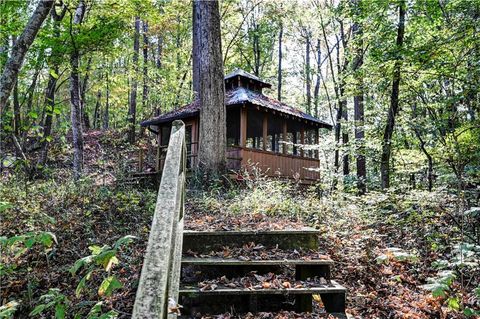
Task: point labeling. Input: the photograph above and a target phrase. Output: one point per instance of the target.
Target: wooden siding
(273, 164)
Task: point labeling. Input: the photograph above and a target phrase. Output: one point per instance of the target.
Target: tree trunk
(393, 110)
(107, 105)
(19, 50)
(16, 110)
(83, 90)
(97, 109)
(279, 85)
(75, 103)
(308, 81)
(196, 38)
(145, 67)
(50, 91)
(316, 91)
(358, 103)
(212, 146)
(132, 112)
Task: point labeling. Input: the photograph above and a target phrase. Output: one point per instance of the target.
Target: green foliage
(104, 257)
(53, 300)
(8, 309)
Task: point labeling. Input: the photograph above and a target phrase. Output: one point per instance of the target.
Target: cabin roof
(237, 96)
(244, 74)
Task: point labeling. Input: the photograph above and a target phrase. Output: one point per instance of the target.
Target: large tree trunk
(358, 104)
(19, 50)
(212, 144)
(132, 112)
(280, 57)
(75, 103)
(393, 110)
(316, 91)
(308, 80)
(196, 38)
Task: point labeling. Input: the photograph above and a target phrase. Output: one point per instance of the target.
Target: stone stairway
(256, 271)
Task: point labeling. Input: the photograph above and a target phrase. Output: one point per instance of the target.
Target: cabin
(261, 131)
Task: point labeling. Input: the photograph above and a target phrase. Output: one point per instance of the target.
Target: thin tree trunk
(212, 144)
(75, 103)
(20, 48)
(83, 90)
(97, 109)
(307, 74)
(358, 104)
(16, 110)
(132, 112)
(393, 110)
(50, 91)
(107, 104)
(280, 57)
(316, 91)
(145, 67)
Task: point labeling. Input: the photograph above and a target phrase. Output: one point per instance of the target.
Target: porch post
(302, 140)
(317, 141)
(265, 131)
(159, 143)
(243, 126)
(284, 136)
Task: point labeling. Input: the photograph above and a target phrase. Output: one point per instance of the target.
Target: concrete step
(242, 300)
(206, 241)
(199, 269)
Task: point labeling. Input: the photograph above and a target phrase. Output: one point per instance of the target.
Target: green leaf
(453, 303)
(53, 73)
(38, 309)
(477, 292)
(81, 285)
(5, 206)
(109, 285)
(79, 264)
(60, 311)
(124, 241)
(47, 239)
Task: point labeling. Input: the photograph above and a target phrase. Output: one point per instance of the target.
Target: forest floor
(386, 246)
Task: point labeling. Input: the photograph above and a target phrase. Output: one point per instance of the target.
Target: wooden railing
(157, 291)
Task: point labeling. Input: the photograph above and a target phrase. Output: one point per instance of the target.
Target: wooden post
(302, 141)
(317, 141)
(159, 150)
(265, 131)
(284, 136)
(243, 127)
(160, 275)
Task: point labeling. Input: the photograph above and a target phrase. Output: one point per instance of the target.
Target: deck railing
(157, 291)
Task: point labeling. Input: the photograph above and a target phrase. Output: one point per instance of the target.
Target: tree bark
(196, 38)
(393, 110)
(212, 144)
(16, 110)
(20, 48)
(132, 112)
(280, 57)
(107, 104)
(50, 91)
(358, 102)
(97, 109)
(316, 91)
(75, 103)
(83, 91)
(308, 80)
(145, 67)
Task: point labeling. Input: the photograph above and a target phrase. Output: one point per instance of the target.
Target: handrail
(160, 278)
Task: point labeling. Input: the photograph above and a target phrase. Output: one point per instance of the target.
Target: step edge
(234, 261)
(307, 231)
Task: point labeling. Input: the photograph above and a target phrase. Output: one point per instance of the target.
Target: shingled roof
(237, 96)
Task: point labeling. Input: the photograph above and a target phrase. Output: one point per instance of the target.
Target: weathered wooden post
(160, 276)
